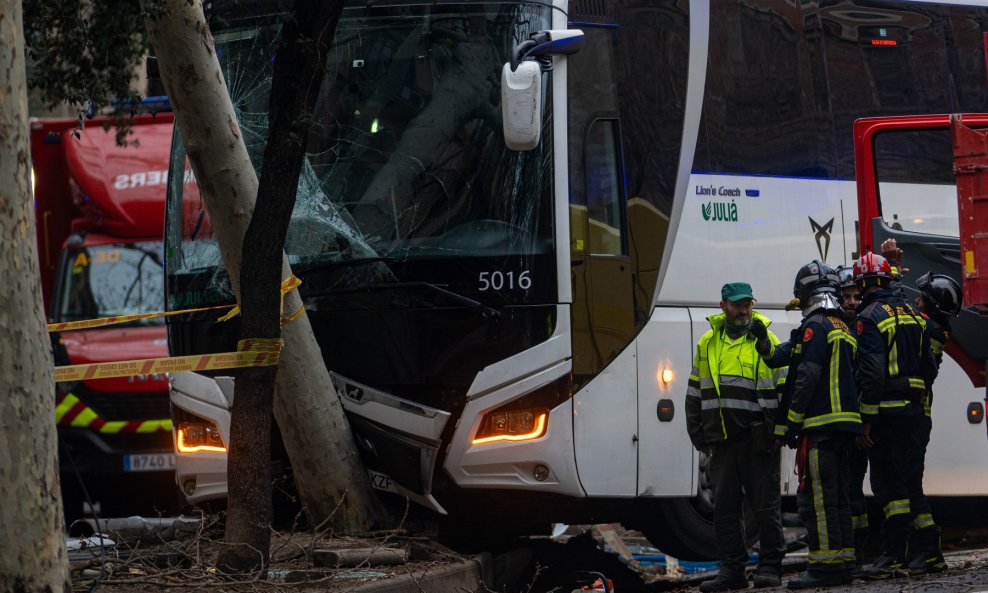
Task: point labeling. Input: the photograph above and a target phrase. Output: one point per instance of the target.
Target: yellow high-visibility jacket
(730, 386)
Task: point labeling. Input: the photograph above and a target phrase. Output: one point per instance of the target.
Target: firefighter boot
(892, 562)
(725, 583)
(860, 541)
(814, 579)
(928, 558)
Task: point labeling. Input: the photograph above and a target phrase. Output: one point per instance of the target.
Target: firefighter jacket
(820, 394)
(939, 336)
(895, 361)
(730, 386)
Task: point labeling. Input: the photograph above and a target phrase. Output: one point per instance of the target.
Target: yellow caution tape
(91, 323)
(250, 353)
(287, 286)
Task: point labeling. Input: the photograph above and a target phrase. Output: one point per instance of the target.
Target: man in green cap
(731, 402)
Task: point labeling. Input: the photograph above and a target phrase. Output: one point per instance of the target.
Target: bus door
(604, 369)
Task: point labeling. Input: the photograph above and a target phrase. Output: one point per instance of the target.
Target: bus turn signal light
(196, 437)
(975, 412)
(512, 425)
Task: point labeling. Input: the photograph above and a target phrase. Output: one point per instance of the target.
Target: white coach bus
(511, 331)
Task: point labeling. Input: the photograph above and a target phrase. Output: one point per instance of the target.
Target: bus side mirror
(521, 105)
(521, 84)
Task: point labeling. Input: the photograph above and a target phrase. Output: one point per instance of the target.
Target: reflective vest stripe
(734, 404)
(923, 520)
(835, 335)
(893, 356)
(896, 507)
(831, 418)
(899, 403)
(835, 377)
(819, 508)
(823, 556)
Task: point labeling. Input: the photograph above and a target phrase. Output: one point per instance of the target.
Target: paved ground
(968, 573)
(538, 565)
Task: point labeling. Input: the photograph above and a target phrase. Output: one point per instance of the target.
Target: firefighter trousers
(857, 466)
(824, 505)
(915, 464)
(890, 480)
(741, 473)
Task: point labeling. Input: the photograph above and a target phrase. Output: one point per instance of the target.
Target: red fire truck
(100, 216)
(954, 150)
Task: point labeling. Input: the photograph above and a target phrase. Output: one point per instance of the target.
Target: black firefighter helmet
(942, 293)
(815, 278)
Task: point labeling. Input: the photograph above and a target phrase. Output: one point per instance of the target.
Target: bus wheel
(686, 528)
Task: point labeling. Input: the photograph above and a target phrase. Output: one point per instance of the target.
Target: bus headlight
(512, 425)
(196, 437)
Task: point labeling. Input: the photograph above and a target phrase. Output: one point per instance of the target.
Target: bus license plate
(381, 481)
(149, 462)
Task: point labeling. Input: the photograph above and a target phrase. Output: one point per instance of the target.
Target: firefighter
(857, 457)
(731, 401)
(939, 300)
(821, 419)
(895, 369)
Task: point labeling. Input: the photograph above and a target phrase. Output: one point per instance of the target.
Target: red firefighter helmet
(873, 269)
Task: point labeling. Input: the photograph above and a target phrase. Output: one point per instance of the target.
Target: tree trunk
(303, 47)
(315, 431)
(31, 534)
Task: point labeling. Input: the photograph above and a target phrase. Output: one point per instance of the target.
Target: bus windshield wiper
(488, 312)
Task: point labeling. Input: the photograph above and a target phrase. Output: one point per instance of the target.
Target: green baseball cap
(736, 291)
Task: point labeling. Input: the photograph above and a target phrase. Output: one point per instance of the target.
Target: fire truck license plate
(149, 462)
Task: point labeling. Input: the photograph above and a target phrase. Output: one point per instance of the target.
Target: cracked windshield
(112, 280)
(406, 161)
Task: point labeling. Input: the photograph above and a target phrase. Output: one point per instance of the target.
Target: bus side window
(604, 195)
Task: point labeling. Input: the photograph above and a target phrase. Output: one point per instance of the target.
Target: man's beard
(742, 321)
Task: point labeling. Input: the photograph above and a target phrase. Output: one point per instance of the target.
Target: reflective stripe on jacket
(895, 360)
(939, 336)
(820, 394)
(730, 386)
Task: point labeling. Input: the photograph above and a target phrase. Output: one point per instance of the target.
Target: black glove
(759, 330)
(792, 438)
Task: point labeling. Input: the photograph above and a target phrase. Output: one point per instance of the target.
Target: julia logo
(822, 235)
(720, 211)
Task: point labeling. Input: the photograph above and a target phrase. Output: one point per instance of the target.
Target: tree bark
(31, 535)
(317, 436)
(301, 58)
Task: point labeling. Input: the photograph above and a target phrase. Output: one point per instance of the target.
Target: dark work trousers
(890, 474)
(857, 466)
(740, 473)
(824, 505)
(915, 452)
